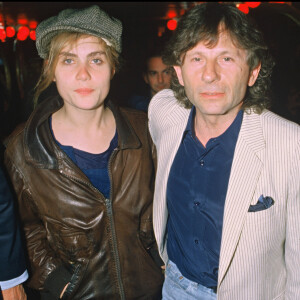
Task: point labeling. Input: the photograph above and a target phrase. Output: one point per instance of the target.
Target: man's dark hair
(156, 50)
(202, 23)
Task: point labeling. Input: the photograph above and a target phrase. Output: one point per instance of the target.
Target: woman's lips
(84, 91)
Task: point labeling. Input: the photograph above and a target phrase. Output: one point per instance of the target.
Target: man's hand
(14, 293)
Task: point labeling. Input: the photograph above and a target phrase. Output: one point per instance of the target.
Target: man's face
(158, 75)
(216, 79)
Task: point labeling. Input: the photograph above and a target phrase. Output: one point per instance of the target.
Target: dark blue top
(196, 192)
(94, 166)
(140, 102)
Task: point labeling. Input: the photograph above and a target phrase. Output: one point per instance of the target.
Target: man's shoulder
(275, 123)
(165, 107)
(164, 100)
(275, 130)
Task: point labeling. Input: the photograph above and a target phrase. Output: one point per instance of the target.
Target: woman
(83, 171)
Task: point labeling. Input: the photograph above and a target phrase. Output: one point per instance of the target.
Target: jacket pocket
(78, 272)
(147, 239)
(64, 274)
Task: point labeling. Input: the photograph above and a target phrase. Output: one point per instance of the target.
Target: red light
(32, 35)
(22, 19)
(10, 31)
(171, 14)
(243, 7)
(172, 24)
(253, 4)
(2, 34)
(32, 24)
(9, 20)
(23, 33)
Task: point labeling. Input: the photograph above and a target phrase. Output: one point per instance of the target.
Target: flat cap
(91, 20)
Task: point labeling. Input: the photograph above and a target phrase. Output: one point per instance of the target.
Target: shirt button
(196, 242)
(201, 162)
(197, 203)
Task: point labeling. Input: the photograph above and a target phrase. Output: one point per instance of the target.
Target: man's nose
(210, 72)
(160, 77)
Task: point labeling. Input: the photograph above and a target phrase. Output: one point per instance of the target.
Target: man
(226, 204)
(157, 76)
(12, 262)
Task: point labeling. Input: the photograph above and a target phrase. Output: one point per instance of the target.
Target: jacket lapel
(245, 171)
(166, 150)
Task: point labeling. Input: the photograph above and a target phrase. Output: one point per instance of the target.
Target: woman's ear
(113, 71)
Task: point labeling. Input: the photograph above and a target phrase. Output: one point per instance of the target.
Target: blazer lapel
(166, 149)
(245, 171)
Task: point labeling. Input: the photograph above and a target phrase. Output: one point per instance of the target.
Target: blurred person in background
(157, 77)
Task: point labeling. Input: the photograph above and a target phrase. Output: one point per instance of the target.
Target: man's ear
(179, 74)
(145, 77)
(253, 75)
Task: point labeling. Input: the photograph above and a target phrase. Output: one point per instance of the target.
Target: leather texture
(69, 222)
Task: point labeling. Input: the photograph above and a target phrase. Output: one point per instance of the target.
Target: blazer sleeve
(12, 259)
(292, 244)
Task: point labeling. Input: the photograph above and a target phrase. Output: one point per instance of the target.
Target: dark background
(20, 66)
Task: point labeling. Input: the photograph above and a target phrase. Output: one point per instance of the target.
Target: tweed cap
(91, 20)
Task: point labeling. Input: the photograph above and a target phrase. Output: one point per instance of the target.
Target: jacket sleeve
(43, 261)
(146, 227)
(292, 244)
(12, 259)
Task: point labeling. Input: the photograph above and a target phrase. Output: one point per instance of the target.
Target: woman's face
(83, 74)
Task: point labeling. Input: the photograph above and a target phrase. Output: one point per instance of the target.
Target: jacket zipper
(108, 203)
(111, 223)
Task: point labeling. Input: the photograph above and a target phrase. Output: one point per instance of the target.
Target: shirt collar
(228, 138)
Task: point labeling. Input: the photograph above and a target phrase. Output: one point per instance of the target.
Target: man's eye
(227, 59)
(152, 73)
(196, 59)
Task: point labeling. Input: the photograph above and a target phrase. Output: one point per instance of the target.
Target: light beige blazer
(260, 251)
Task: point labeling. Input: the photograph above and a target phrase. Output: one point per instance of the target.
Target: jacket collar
(39, 146)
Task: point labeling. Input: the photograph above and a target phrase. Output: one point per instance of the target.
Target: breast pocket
(263, 230)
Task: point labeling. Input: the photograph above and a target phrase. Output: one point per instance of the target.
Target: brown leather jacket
(105, 248)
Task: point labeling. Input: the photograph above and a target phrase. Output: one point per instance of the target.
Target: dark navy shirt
(196, 192)
(94, 166)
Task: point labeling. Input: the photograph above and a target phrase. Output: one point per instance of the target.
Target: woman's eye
(68, 61)
(96, 61)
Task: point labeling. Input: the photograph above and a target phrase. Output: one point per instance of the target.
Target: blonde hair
(56, 45)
